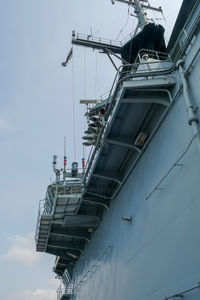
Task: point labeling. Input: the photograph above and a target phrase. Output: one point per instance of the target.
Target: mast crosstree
(139, 10)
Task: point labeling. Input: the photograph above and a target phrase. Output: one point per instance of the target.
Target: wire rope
(154, 19)
(84, 93)
(95, 82)
(106, 26)
(124, 24)
(84, 73)
(73, 96)
(131, 46)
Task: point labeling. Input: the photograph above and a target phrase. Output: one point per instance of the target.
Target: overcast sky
(36, 114)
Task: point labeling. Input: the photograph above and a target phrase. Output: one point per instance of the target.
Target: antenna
(54, 162)
(65, 155)
(65, 159)
(139, 7)
(83, 159)
(57, 172)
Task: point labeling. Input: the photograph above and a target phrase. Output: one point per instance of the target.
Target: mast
(139, 11)
(139, 7)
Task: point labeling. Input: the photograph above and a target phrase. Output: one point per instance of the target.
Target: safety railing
(96, 39)
(45, 209)
(159, 56)
(69, 190)
(47, 205)
(147, 61)
(40, 212)
(61, 291)
(100, 99)
(184, 38)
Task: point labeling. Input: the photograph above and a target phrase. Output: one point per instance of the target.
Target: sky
(36, 112)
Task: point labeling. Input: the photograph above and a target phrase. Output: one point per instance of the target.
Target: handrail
(93, 38)
(40, 209)
(61, 291)
(184, 31)
(102, 98)
(47, 205)
(98, 39)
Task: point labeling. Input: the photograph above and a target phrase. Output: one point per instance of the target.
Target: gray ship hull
(157, 254)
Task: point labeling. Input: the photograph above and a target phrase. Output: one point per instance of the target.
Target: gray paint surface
(157, 255)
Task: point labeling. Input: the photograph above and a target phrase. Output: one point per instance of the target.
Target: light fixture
(141, 139)
(127, 219)
(89, 137)
(89, 143)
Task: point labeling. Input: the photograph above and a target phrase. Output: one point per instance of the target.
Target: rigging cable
(154, 19)
(116, 21)
(124, 24)
(84, 93)
(95, 83)
(131, 45)
(73, 96)
(84, 73)
(169, 27)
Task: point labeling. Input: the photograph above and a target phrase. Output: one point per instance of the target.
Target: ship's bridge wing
(139, 102)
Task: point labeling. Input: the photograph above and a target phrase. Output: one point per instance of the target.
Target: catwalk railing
(63, 291)
(45, 208)
(47, 205)
(96, 39)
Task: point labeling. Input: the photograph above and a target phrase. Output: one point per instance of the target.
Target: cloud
(5, 124)
(38, 294)
(54, 282)
(22, 250)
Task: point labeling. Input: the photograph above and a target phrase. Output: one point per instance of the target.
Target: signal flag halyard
(69, 56)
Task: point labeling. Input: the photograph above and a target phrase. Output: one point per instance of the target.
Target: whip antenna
(65, 155)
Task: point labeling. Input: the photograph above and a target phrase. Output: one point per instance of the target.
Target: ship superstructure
(128, 228)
